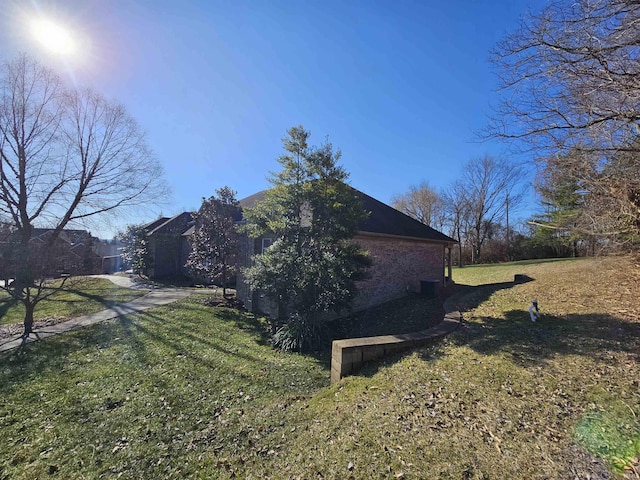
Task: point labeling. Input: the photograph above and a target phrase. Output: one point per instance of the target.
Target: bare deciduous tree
(457, 208)
(491, 186)
(423, 203)
(571, 75)
(65, 156)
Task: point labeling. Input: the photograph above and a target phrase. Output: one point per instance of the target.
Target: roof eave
(403, 237)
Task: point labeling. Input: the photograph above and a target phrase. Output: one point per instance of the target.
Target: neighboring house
(110, 253)
(406, 255)
(169, 245)
(71, 254)
(74, 252)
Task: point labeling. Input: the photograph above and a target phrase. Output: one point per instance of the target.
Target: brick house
(72, 253)
(404, 252)
(169, 245)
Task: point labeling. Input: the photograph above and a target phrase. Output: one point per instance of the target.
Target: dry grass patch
(502, 397)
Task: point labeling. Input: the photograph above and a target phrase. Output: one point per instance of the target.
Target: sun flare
(53, 37)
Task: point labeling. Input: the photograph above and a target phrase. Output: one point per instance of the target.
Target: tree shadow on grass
(185, 339)
(83, 294)
(180, 341)
(139, 332)
(530, 343)
(468, 297)
(245, 321)
(98, 298)
(533, 342)
(465, 297)
(6, 304)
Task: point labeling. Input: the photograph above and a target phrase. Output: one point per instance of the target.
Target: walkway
(156, 298)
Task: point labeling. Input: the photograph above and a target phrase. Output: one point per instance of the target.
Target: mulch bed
(13, 329)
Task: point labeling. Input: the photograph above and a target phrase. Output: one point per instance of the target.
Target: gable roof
(149, 227)
(386, 220)
(174, 225)
(383, 220)
(183, 224)
(70, 236)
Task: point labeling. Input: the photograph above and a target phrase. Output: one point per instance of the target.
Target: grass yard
(79, 296)
(192, 391)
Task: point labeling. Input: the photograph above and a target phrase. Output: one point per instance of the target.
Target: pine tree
(312, 266)
(562, 197)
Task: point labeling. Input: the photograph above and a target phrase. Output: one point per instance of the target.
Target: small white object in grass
(534, 311)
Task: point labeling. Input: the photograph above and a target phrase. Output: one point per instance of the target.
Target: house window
(266, 243)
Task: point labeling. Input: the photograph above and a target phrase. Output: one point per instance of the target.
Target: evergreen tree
(312, 266)
(135, 251)
(562, 197)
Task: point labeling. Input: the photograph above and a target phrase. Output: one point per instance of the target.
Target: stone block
(336, 373)
(372, 352)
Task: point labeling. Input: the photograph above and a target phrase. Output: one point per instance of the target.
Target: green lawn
(79, 296)
(192, 391)
(503, 272)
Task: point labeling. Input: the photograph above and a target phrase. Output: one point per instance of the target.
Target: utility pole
(508, 233)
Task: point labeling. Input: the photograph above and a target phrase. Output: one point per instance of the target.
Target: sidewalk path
(156, 298)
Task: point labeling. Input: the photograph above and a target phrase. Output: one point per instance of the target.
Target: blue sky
(400, 87)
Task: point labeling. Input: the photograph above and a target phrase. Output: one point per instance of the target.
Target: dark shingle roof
(251, 200)
(386, 220)
(70, 236)
(382, 220)
(174, 225)
(155, 224)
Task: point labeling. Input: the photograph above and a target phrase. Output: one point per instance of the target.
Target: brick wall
(398, 266)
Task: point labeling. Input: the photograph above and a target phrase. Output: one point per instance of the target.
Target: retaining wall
(350, 354)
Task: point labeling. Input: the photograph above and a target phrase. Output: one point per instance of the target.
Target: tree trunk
(28, 318)
(224, 278)
(280, 317)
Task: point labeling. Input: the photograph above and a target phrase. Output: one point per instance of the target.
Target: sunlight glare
(55, 38)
